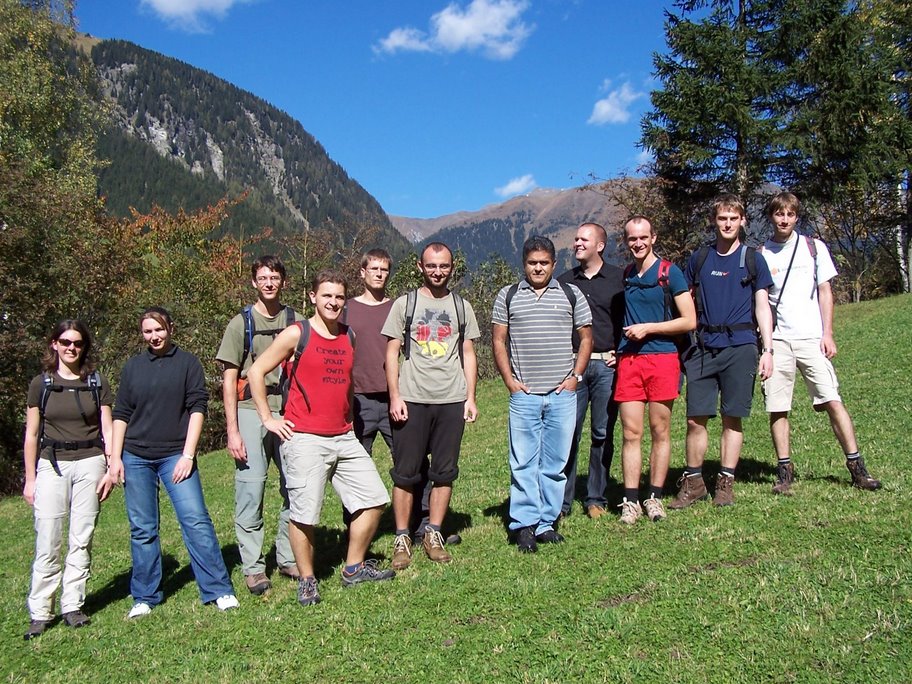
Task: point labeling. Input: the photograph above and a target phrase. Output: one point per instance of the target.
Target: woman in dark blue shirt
(158, 418)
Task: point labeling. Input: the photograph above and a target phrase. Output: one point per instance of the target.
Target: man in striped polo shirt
(533, 324)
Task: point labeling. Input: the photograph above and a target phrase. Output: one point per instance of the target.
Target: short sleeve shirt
(727, 296)
(644, 302)
(539, 332)
(605, 294)
(433, 374)
(231, 349)
(798, 310)
(368, 374)
(70, 415)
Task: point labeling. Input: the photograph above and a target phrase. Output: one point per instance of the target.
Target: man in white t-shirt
(802, 302)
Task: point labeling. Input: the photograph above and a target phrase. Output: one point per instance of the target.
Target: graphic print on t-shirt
(432, 331)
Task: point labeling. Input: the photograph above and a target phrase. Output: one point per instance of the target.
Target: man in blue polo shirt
(732, 301)
(532, 327)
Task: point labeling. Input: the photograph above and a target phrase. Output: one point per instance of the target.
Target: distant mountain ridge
(181, 137)
(502, 228)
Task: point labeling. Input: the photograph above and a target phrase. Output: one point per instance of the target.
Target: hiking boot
(725, 494)
(36, 629)
(402, 552)
(690, 490)
(290, 571)
(76, 619)
(434, 546)
(595, 511)
(258, 583)
(655, 511)
(307, 591)
(368, 571)
(785, 476)
(630, 511)
(860, 476)
(550, 537)
(525, 540)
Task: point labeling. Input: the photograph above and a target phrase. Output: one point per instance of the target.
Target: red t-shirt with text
(323, 376)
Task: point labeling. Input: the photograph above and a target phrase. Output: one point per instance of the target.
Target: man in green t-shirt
(252, 446)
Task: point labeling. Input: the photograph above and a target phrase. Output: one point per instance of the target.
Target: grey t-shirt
(433, 374)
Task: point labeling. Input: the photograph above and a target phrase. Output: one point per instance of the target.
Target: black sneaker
(525, 540)
(368, 571)
(36, 629)
(307, 591)
(550, 537)
(76, 619)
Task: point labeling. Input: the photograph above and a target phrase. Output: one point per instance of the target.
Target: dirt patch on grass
(641, 595)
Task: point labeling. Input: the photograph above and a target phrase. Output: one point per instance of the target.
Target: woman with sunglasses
(158, 418)
(68, 423)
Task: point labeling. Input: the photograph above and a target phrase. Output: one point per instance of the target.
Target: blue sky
(433, 106)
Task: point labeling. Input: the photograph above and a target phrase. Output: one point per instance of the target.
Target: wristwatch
(767, 350)
(579, 378)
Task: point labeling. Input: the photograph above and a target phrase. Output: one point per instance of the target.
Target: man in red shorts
(648, 368)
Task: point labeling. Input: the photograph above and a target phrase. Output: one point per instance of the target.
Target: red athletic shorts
(648, 377)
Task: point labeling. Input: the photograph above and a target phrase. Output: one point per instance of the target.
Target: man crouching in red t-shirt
(318, 443)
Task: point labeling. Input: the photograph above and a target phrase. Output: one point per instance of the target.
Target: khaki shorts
(805, 357)
(309, 461)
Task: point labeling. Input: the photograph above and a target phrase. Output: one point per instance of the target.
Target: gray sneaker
(368, 571)
(655, 511)
(630, 512)
(307, 591)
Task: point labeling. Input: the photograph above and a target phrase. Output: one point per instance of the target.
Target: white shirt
(798, 312)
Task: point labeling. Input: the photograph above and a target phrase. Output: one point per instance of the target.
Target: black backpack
(747, 259)
(250, 331)
(93, 386)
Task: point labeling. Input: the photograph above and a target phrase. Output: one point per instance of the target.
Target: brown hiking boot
(691, 489)
(434, 547)
(402, 552)
(257, 583)
(860, 476)
(595, 511)
(785, 476)
(725, 494)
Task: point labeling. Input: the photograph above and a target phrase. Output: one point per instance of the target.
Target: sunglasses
(64, 342)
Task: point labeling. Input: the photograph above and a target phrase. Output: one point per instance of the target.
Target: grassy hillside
(811, 588)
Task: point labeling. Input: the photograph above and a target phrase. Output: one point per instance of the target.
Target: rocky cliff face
(222, 136)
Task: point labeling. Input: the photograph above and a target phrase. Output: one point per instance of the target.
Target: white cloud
(492, 27)
(189, 15)
(643, 158)
(517, 186)
(614, 108)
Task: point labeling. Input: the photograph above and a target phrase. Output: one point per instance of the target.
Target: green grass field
(816, 587)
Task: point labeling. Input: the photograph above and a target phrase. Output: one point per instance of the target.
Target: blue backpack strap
(249, 330)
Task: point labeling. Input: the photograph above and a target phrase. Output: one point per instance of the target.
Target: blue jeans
(596, 389)
(141, 476)
(541, 429)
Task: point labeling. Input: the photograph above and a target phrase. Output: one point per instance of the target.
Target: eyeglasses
(64, 342)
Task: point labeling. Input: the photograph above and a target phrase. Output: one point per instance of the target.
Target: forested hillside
(182, 138)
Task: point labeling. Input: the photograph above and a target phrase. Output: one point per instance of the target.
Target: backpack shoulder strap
(459, 302)
(571, 297)
(749, 260)
(249, 330)
(812, 248)
(411, 303)
(514, 288)
(298, 352)
(289, 316)
(628, 270)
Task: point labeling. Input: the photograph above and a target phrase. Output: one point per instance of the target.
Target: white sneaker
(227, 602)
(139, 609)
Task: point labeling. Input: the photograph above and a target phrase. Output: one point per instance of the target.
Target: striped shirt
(539, 339)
